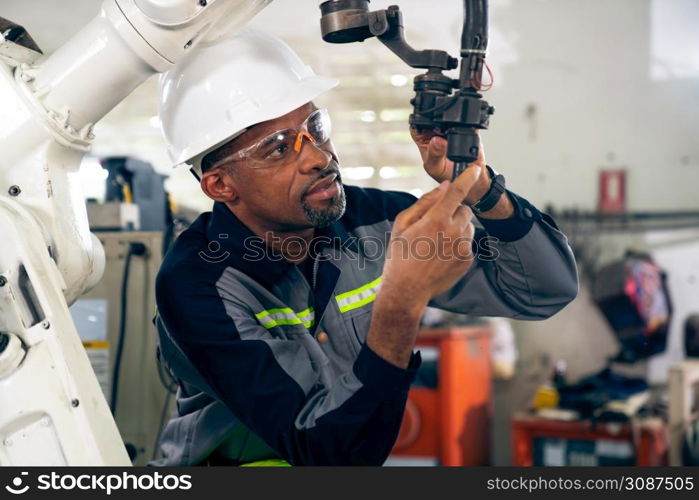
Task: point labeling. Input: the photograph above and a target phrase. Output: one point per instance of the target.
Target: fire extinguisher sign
(612, 191)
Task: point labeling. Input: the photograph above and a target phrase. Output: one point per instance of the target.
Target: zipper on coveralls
(315, 272)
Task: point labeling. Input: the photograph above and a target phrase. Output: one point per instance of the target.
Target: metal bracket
(387, 26)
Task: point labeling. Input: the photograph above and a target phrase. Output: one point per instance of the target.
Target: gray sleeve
(531, 278)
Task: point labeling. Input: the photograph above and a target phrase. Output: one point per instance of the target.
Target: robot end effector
(435, 108)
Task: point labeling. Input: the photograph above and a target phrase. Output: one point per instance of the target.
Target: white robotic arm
(52, 411)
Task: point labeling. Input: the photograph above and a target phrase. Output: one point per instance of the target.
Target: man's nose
(311, 157)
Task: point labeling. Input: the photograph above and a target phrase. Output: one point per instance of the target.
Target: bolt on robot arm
(52, 411)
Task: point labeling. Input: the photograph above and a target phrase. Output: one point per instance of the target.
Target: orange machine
(447, 416)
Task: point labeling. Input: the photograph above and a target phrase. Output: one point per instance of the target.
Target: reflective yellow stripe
(272, 462)
(362, 302)
(358, 290)
(307, 317)
(269, 318)
(358, 297)
(306, 312)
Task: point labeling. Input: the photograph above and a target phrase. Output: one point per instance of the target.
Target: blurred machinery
(610, 417)
(544, 442)
(447, 415)
(114, 319)
(633, 295)
(684, 413)
(135, 197)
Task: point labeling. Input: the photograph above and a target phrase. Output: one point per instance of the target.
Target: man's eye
(278, 151)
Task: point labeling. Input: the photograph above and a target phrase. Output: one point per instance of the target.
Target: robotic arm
(453, 107)
(52, 411)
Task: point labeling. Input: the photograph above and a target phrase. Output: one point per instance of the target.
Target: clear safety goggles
(279, 147)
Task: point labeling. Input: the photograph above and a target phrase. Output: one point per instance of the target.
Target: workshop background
(597, 119)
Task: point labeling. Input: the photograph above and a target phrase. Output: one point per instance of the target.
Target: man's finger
(436, 152)
(421, 137)
(462, 216)
(418, 209)
(434, 158)
(457, 191)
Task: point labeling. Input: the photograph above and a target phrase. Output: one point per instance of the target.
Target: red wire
(478, 85)
(490, 75)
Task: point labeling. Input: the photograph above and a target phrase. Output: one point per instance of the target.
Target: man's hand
(430, 246)
(433, 150)
(430, 249)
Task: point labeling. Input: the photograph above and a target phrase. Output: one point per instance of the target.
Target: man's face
(302, 192)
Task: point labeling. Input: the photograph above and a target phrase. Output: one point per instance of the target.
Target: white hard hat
(221, 89)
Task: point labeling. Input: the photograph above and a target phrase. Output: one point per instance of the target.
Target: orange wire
(478, 85)
(490, 75)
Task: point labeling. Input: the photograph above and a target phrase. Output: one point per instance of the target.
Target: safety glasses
(281, 146)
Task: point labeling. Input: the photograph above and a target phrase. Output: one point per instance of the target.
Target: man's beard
(323, 217)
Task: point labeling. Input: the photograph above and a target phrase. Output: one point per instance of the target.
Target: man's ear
(218, 185)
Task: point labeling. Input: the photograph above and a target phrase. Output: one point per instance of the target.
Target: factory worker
(289, 313)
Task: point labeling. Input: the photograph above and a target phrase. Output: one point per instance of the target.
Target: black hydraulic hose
(474, 42)
(135, 248)
(475, 32)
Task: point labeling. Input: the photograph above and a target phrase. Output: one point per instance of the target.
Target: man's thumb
(435, 153)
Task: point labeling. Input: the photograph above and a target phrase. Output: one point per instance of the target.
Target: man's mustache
(332, 168)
